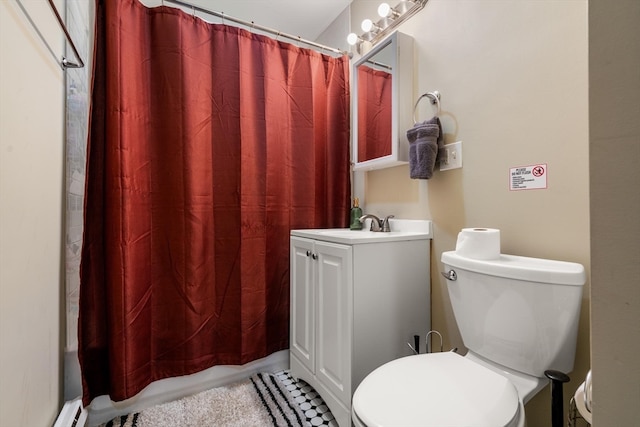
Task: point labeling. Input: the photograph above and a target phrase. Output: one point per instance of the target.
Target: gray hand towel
(436, 120)
(424, 140)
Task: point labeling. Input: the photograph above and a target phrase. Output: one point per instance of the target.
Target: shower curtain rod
(253, 25)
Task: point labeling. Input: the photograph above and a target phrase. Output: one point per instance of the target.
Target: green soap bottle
(356, 213)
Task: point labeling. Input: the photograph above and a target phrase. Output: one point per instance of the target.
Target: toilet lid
(435, 390)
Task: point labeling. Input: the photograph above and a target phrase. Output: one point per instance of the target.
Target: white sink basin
(401, 230)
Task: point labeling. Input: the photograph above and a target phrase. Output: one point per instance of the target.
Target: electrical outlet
(452, 157)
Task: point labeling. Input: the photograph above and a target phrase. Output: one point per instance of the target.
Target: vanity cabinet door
(334, 277)
(302, 303)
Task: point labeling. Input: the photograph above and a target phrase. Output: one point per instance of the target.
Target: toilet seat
(438, 389)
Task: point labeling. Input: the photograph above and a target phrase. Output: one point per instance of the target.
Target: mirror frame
(401, 102)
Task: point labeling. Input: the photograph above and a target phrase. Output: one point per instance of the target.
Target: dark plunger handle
(557, 408)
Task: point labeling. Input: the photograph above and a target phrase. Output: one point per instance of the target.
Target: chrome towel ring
(435, 99)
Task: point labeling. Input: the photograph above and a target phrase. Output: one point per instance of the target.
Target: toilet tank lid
(521, 268)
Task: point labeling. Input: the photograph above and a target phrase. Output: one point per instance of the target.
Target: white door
(334, 318)
(302, 302)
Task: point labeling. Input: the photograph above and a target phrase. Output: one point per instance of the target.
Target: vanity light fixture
(390, 18)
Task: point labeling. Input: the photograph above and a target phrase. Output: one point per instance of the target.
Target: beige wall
(614, 77)
(514, 83)
(31, 182)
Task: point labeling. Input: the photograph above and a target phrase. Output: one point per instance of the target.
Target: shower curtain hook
(252, 25)
(277, 35)
(194, 11)
(222, 16)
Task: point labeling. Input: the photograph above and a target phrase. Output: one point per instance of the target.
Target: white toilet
(517, 316)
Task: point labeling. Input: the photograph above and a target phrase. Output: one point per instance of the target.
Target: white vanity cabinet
(357, 299)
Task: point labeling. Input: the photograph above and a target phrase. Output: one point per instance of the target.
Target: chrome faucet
(377, 224)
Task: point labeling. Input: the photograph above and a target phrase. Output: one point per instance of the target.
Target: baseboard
(72, 415)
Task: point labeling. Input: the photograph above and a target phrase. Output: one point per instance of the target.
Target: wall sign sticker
(532, 177)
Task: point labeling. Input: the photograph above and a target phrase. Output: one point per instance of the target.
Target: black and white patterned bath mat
(261, 401)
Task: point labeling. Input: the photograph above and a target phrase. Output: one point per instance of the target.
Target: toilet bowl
(436, 390)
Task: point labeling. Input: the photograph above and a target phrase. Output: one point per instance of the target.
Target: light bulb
(384, 9)
(352, 39)
(366, 25)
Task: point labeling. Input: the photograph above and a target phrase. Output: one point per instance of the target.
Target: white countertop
(401, 230)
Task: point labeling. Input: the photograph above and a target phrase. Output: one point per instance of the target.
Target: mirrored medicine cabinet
(382, 102)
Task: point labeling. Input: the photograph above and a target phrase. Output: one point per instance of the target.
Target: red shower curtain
(374, 113)
(208, 144)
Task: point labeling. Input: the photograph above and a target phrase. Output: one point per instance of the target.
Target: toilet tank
(519, 312)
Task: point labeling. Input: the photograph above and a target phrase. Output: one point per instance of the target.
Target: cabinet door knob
(314, 256)
(308, 253)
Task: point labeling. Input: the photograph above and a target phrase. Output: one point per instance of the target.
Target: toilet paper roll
(479, 243)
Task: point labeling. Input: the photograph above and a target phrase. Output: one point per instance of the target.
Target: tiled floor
(311, 403)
